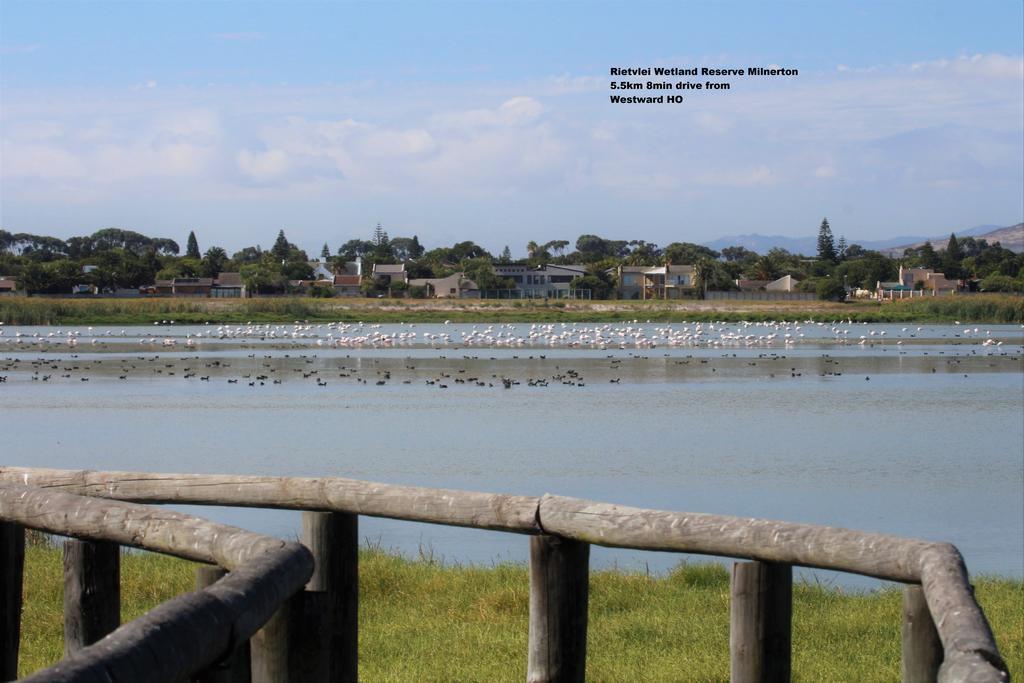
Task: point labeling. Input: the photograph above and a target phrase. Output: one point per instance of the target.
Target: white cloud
(952, 124)
(263, 166)
(516, 111)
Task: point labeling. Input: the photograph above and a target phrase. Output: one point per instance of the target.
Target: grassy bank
(993, 308)
(420, 621)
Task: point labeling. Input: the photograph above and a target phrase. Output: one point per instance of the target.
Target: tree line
(127, 259)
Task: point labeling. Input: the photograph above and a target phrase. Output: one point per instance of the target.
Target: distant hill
(1011, 238)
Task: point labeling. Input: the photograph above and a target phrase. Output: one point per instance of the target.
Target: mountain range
(1011, 237)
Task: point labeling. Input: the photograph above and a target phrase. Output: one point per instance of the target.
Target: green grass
(995, 308)
(422, 621)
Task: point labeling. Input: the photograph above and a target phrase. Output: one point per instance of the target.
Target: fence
(760, 296)
(945, 634)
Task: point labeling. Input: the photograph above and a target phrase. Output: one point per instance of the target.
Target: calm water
(911, 430)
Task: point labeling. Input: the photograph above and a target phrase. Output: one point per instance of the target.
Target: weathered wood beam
(329, 494)
(92, 592)
(922, 649)
(12, 567)
(970, 652)
(186, 634)
(970, 649)
(760, 627)
(235, 667)
(809, 545)
(559, 593)
(333, 538)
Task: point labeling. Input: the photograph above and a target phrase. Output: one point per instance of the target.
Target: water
(917, 432)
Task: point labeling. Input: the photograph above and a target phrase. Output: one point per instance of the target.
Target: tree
(213, 262)
(841, 248)
(708, 274)
(506, 255)
(831, 289)
(281, 248)
(192, 250)
(826, 245)
(765, 268)
(355, 248)
(952, 259)
(325, 253)
(248, 255)
(687, 253)
(380, 236)
(736, 254)
(406, 248)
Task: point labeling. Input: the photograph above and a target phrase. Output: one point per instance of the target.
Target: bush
(1000, 283)
(831, 289)
(321, 291)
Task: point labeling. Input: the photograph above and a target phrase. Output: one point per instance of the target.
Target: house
(455, 286)
(321, 270)
(347, 285)
(387, 274)
(928, 280)
(8, 285)
(655, 282)
(547, 281)
(191, 286)
(228, 286)
(786, 283)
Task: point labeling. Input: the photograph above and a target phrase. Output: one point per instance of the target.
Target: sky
(491, 121)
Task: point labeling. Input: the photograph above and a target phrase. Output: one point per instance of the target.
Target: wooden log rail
(946, 636)
(182, 636)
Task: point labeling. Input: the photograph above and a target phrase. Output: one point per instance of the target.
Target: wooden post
(292, 646)
(92, 592)
(333, 538)
(236, 667)
(12, 566)
(922, 649)
(761, 617)
(309, 637)
(559, 590)
(270, 649)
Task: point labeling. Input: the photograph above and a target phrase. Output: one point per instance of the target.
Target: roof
(387, 268)
(193, 281)
(8, 284)
(229, 280)
(350, 280)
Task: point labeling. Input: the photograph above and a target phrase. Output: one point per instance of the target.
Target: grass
(994, 308)
(423, 621)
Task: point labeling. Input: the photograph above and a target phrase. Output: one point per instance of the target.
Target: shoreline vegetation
(982, 308)
(642, 627)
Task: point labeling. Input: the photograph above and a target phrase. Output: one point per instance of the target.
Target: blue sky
(490, 121)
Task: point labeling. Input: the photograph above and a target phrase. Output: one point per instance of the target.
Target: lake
(916, 430)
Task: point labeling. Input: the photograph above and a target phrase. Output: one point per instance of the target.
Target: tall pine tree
(281, 248)
(192, 249)
(826, 245)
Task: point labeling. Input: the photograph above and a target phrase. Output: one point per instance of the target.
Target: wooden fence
(945, 634)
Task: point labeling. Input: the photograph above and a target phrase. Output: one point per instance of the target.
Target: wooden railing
(945, 634)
